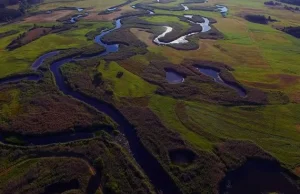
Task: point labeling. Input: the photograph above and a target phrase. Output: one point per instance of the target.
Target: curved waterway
(222, 9)
(35, 65)
(216, 76)
(182, 40)
(157, 175)
(186, 8)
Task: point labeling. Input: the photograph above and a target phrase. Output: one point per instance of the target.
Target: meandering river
(152, 168)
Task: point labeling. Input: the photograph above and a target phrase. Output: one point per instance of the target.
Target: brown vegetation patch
(297, 171)
(95, 16)
(298, 128)
(52, 17)
(139, 101)
(262, 85)
(143, 35)
(295, 97)
(285, 79)
(52, 114)
(34, 34)
(235, 153)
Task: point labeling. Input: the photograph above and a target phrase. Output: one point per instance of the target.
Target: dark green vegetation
(294, 31)
(8, 33)
(261, 19)
(293, 2)
(95, 166)
(8, 14)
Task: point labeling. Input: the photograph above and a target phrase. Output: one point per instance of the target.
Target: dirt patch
(28, 37)
(297, 170)
(52, 17)
(143, 36)
(298, 129)
(35, 33)
(279, 81)
(285, 79)
(295, 98)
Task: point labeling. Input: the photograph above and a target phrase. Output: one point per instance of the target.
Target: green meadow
(20, 59)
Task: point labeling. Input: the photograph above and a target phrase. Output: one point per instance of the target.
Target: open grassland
(10, 105)
(274, 128)
(128, 85)
(164, 107)
(19, 60)
(166, 19)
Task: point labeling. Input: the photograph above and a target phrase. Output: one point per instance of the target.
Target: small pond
(258, 177)
(174, 77)
(216, 76)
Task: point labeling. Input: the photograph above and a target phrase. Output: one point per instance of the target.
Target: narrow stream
(186, 8)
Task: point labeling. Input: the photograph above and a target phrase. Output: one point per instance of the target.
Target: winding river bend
(182, 40)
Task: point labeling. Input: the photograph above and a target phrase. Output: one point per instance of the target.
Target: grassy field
(274, 128)
(19, 60)
(164, 107)
(129, 85)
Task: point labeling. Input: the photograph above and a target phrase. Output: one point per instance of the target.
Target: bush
(260, 19)
(119, 74)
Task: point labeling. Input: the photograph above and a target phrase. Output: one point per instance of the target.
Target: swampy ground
(100, 116)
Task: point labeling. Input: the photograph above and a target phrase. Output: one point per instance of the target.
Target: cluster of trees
(293, 2)
(9, 14)
(260, 19)
(272, 3)
(294, 31)
(24, 6)
(291, 8)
